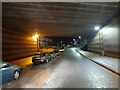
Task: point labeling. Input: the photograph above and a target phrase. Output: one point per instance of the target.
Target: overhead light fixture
(97, 28)
(79, 36)
(73, 39)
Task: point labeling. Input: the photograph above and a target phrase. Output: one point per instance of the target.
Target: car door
(47, 57)
(7, 72)
(0, 74)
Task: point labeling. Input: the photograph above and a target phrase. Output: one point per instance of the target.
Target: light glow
(35, 37)
(73, 39)
(97, 28)
(79, 36)
(108, 30)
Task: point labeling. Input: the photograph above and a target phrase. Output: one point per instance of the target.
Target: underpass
(69, 70)
(29, 27)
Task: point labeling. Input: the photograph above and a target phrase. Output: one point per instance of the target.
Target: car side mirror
(5, 66)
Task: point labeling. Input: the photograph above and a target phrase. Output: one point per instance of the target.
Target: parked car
(56, 49)
(41, 58)
(54, 54)
(8, 72)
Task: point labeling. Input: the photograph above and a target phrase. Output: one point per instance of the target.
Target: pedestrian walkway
(109, 62)
(22, 62)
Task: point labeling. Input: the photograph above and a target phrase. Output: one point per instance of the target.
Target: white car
(61, 50)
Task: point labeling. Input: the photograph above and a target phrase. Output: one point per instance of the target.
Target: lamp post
(38, 43)
(36, 38)
(100, 40)
(61, 43)
(79, 40)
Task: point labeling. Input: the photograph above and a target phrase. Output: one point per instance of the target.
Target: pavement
(107, 62)
(22, 62)
(69, 70)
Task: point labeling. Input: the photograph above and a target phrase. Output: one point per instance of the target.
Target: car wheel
(46, 61)
(16, 75)
(35, 63)
(52, 58)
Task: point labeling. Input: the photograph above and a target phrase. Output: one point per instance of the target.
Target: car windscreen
(42, 54)
(37, 55)
(3, 64)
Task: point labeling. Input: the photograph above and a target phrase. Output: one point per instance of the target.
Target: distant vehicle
(8, 72)
(56, 49)
(41, 58)
(61, 50)
(68, 46)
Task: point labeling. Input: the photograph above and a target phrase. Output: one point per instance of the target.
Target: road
(69, 70)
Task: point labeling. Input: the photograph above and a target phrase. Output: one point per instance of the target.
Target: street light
(100, 39)
(73, 39)
(61, 43)
(97, 28)
(79, 40)
(79, 36)
(36, 38)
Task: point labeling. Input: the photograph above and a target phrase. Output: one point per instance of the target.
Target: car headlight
(60, 50)
(42, 60)
(37, 58)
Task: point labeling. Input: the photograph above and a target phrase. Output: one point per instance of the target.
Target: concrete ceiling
(56, 18)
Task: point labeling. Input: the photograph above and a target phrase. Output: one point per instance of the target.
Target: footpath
(22, 62)
(106, 62)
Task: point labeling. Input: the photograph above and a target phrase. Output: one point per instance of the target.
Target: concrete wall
(106, 40)
(16, 44)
